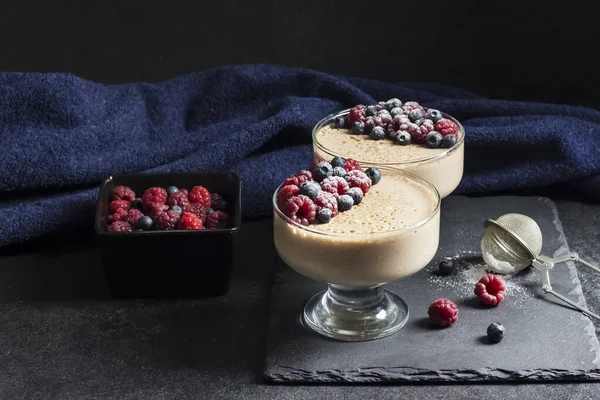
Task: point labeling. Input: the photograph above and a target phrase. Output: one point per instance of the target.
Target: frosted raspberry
(123, 193)
(119, 204)
(335, 185)
(490, 290)
(201, 195)
(398, 120)
(119, 226)
(359, 179)
(155, 209)
(154, 195)
(119, 215)
(285, 193)
(412, 105)
(426, 126)
(326, 200)
(217, 202)
(213, 220)
(190, 222)
(443, 312)
(166, 221)
(196, 208)
(414, 130)
(351, 165)
(300, 209)
(133, 216)
(380, 105)
(358, 113)
(299, 178)
(179, 198)
(446, 127)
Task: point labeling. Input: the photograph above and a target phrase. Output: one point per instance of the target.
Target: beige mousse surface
(370, 244)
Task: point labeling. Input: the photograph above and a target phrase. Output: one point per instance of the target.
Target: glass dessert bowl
(440, 165)
(391, 234)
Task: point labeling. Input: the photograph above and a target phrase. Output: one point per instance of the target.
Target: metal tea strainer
(513, 242)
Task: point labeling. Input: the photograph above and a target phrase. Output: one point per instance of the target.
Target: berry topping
(446, 267)
(177, 210)
(179, 198)
(322, 170)
(374, 174)
(380, 105)
(370, 124)
(446, 127)
(371, 111)
(396, 111)
(310, 189)
(433, 115)
(217, 202)
(216, 218)
(154, 195)
(338, 161)
(339, 171)
(434, 139)
(490, 290)
(385, 117)
(392, 103)
(358, 128)
(443, 312)
(190, 222)
(324, 215)
(166, 221)
(378, 133)
(285, 193)
(415, 114)
(144, 223)
(123, 193)
(345, 203)
(155, 209)
(449, 141)
(299, 178)
(357, 113)
(119, 205)
(425, 125)
(133, 216)
(495, 332)
(360, 180)
(201, 195)
(399, 120)
(119, 226)
(335, 185)
(403, 138)
(356, 194)
(198, 209)
(171, 190)
(351, 165)
(412, 105)
(300, 209)
(340, 122)
(120, 215)
(326, 200)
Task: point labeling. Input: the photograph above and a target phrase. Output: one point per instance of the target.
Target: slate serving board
(545, 340)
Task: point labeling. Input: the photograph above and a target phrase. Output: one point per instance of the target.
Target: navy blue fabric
(60, 135)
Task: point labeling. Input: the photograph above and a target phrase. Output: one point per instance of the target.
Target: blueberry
(403, 138)
(136, 204)
(434, 139)
(345, 202)
(378, 133)
(396, 111)
(371, 111)
(495, 332)
(415, 114)
(338, 161)
(356, 194)
(177, 209)
(209, 211)
(374, 174)
(446, 267)
(172, 190)
(449, 141)
(310, 189)
(434, 115)
(393, 103)
(339, 171)
(144, 223)
(322, 170)
(324, 215)
(358, 128)
(339, 122)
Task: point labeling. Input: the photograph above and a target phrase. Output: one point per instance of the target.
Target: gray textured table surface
(63, 338)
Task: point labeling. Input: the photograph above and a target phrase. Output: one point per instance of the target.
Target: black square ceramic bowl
(169, 264)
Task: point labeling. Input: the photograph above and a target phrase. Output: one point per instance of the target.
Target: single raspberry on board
(119, 204)
(446, 127)
(179, 198)
(190, 222)
(352, 164)
(326, 200)
(299, 178)
(213, 219)
(335, 185)
(154, 195)
(133, 215)
(123, 193)
(119, 226)
(201, 195)
(491, 289)
(300, 209)
(359, 179)
(443, 312)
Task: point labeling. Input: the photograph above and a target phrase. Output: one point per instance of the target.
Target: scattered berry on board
(446, 267)
(402, 123)
(443, 312)
(495, 332)
(491, 290)
(169, 208)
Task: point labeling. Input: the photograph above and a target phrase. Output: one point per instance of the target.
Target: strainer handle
(573, 304)
(573, 257)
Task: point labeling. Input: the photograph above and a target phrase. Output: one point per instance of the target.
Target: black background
(529, 50)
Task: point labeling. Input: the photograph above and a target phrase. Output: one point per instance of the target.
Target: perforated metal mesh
(502, 252)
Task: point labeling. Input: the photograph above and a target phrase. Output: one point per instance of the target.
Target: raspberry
(352, 165)
(119, 204)
(414, 130)
(359, 179)
(133, 216)
(198, 209)
(412, 105)
(119, 226)
(119, 215)
(190, 222)
(391, 132)
(358, 113)
(398, 120)
(386, 118)
(285, 193)
(217, 202)
(300, 177)
(123, 193)
(380, 105)
(201, 195)
(335, 185)
(369, 124)
(443, 312)
(179, 198)
(300, 209)
(154, 195)
(425, 125)
(212, 221)
(490, 290)
(166, 221)
(446, 127)
(326, 200)
(155, 209)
